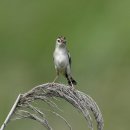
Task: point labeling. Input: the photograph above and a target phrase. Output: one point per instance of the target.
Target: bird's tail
(71, 81)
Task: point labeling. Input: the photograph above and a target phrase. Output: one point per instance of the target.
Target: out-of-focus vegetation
(98, 34)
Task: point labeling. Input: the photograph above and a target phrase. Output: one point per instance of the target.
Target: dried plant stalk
(45, 92)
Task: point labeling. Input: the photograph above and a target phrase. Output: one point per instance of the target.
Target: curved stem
(10, 113)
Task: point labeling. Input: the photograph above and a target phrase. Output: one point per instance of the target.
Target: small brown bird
(62, 60)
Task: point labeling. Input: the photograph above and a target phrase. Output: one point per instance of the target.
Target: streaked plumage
(62, 60)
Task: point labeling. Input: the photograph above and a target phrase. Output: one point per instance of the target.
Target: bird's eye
(58, 40)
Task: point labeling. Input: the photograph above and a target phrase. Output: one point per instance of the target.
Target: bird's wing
(69, 58)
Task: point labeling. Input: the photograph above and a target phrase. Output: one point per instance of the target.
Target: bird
(62, 60)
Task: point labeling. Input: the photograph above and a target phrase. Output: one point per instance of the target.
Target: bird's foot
(54, 80)
(72, 87)
(52, 83)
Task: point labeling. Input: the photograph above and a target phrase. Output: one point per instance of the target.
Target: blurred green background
(98, 34)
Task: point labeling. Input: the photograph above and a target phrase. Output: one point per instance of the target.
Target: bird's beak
(63, 41)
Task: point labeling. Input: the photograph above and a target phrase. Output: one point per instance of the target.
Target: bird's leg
(55, 78)
(57, 75)
(72, 86)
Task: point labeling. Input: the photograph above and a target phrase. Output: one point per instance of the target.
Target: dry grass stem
(45, 92)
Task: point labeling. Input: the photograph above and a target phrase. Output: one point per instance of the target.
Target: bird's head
(61, 41)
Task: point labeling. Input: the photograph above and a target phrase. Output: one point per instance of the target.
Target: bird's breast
(61, 60)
